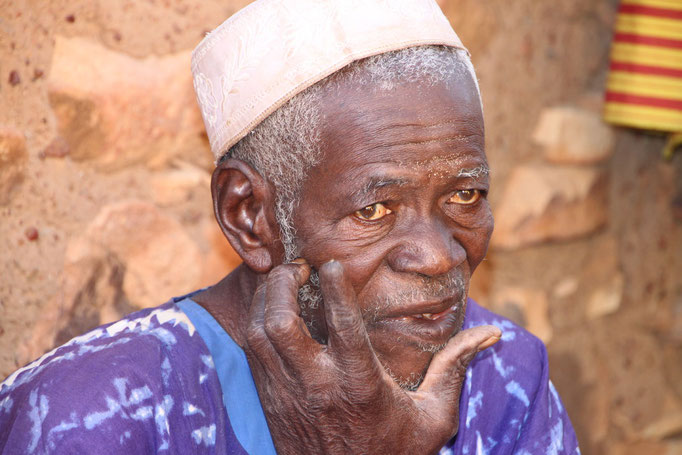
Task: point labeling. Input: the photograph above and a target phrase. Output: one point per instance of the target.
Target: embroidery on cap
(253, 45)
(312, 36)
(207, 99)
(396, 6)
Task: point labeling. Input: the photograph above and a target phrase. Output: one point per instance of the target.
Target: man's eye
(373, 212)
(465, 197)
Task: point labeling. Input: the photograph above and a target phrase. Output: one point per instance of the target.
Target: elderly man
(352, 181)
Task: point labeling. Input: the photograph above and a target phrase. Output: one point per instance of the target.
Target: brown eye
(465, 197)
(373, 212)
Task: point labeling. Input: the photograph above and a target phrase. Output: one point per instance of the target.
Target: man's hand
(337, 398)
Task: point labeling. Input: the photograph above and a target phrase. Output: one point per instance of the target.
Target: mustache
(423, 288)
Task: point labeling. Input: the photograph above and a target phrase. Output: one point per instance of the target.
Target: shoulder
(122, 344)
(512, 370)
(518, 351)
(119, 381)
(508, 402)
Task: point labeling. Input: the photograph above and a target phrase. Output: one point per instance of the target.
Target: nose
(429, 248)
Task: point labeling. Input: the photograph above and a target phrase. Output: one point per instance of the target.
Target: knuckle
(255, 335)
(463, 363)
(279, 276)
(320, 398)
(278, 325)
(345, 319)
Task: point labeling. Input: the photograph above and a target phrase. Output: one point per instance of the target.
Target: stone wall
(105, 208)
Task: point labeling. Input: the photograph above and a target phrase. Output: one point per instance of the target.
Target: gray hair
(286, 144)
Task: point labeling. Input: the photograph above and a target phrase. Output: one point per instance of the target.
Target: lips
(432, 310)
(433, 316)
(429, 323)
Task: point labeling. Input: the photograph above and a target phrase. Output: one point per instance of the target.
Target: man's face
(399, 199)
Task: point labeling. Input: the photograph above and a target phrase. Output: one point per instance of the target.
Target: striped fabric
(644, 88)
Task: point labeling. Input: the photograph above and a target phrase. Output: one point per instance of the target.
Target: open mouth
(434, 316)
(424, 328)
(425, 310)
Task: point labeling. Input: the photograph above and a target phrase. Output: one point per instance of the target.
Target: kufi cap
(271, 50)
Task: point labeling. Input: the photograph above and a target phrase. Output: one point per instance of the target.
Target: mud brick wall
(105, 206)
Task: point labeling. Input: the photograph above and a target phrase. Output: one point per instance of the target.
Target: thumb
(448, 368)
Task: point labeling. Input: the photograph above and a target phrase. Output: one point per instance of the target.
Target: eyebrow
(376, 183)
(475, 172)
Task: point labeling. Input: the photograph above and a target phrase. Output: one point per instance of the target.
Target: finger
(256, 337)
(264, 360)
(348, 339)
(448, 368)
(282, 315)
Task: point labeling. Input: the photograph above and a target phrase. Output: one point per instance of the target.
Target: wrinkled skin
(417, 152)
(337, 398)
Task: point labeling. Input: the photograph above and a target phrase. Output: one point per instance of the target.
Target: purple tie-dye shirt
(170, 380)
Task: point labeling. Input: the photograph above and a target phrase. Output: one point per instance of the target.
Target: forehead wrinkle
(453, 166)
(367, 130)
(374, 138)
(460, 138)
(451, 121)
(450, 159)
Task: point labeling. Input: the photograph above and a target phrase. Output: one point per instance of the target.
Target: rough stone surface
(131, 256)
(565, 288)
(116, 110)
(640, 361)
(665, 426)
(606, 299)
(572, 135)
(544, 203)
(647, 447)
(12, 161)
(58, 148)
(175, 186)
(160, 258)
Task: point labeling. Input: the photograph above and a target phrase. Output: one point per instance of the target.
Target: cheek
(484, 221)
(359, 263)
(361, 267)
(478, 236)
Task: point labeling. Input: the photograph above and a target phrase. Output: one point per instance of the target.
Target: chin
(407, 365)
(406, 346)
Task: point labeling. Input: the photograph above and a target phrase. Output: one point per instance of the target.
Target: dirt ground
(105, 208)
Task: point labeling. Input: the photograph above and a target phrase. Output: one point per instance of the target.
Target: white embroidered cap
(271, 50)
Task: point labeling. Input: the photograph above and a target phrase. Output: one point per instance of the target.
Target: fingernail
(299, 261)
(487, 343)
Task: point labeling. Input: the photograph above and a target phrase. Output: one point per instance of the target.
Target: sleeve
(77, 407)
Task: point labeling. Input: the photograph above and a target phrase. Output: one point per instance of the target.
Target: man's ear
(243, 203)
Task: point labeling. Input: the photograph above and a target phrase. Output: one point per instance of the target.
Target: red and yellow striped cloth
(644, 88)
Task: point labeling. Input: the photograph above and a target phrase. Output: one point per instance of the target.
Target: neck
(229, 301)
